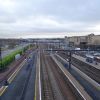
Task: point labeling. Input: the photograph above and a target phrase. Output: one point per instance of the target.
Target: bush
(9, 58)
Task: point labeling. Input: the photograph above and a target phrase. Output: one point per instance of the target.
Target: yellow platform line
(11, 78)
(3, 88)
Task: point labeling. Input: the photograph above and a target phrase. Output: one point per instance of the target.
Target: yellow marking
(3, 89)
(10, 79)
(15, 73)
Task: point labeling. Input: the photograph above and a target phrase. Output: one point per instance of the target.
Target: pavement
(23, 86)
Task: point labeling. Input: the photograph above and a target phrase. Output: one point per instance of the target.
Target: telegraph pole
(0, 56)
(70, 56)
(0, 53)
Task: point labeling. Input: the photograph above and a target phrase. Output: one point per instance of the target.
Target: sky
(48, 18)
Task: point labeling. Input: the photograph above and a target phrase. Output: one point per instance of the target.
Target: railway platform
(84, 60)
(80, 90)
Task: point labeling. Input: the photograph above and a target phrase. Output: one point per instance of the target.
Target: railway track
(25, 85)
(55, 86)
(11, 68)
(4, 76)
(87, 69)
(62, 82)
(22, 97)
(46, 86)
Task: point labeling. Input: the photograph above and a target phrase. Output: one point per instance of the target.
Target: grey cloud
(80, 10)
(71, 15)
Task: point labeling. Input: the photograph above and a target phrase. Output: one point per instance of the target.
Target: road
(8, 51)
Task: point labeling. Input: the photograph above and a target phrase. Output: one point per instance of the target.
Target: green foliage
(9, 58)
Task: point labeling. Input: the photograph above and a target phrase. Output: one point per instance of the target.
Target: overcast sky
(43, 18)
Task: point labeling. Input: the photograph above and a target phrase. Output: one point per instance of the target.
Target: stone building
(90, 40)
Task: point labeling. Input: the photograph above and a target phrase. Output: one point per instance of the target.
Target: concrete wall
(96, 40)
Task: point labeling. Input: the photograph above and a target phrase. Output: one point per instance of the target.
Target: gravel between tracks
(57, 87)
(87, 69)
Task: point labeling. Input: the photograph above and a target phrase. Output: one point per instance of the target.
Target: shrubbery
(9, 58)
